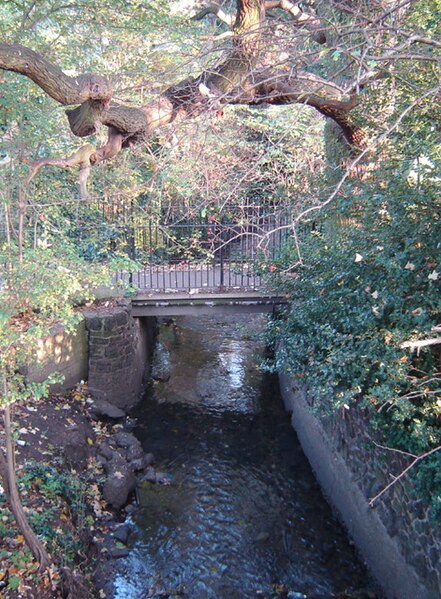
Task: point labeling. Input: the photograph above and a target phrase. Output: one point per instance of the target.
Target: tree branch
(234, 81)
(305, 88)
(307, 20)
(52, 80)
(420, 343)
(403, 473)
(214, 9)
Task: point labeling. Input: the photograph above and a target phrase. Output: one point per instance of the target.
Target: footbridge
(206, 267)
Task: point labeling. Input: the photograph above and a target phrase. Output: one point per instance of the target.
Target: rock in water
(102, 408)
(161, 364)
(122, 533)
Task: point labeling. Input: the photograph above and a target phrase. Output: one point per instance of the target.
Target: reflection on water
(244, 516)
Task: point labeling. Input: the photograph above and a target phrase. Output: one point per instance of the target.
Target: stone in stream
(120, 482)
(148, 459)
(161, 364)
(135, 452)
(122, 533)
(117, 552)
(163, 478)
(137, 465)
(262, 537)
(102, 408)
(149, 475)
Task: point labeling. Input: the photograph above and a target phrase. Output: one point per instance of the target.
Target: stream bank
(77, 467)
(396, 536)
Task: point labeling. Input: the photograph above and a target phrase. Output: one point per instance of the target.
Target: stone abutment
(119, 353)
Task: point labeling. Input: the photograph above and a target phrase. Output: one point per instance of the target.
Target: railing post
(222, 273)
(131, 240)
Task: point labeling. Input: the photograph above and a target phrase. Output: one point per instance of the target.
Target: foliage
(365, 277)
(35, 295)
(63, 493)
(370, 281)
(58, 505)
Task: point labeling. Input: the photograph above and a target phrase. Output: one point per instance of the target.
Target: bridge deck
(175, 303)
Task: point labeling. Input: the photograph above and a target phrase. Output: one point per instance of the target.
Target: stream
(243, 516)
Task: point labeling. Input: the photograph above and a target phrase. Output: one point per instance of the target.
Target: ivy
(370, 281)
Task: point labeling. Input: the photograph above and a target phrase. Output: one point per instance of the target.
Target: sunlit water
(243, 516)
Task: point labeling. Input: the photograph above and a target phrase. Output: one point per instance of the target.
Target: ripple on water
(244, 512)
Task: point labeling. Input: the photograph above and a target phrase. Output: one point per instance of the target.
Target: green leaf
(14, 583)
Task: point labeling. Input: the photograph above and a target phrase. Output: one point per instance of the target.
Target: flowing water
(243, 516)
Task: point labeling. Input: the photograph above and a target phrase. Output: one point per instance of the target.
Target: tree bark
(234, 80)
(52, 80)
(7, 467)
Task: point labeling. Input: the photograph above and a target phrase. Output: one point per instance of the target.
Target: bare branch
(421, 343)
(403, 473)
(301, 19)
(406, 453)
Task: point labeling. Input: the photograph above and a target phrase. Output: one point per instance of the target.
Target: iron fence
(206, 249)
(211, 255)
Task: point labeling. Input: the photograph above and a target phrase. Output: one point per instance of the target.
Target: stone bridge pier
(120, 347)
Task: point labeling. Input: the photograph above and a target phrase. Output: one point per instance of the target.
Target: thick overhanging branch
(51, 79)
(277, 88)
(307, 20)
(234, 80)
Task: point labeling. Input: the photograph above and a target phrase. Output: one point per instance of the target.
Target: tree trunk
(7, 468)
(21, 217)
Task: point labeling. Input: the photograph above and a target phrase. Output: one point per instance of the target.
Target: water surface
(244, 516)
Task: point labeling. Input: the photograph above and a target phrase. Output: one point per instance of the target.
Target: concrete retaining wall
(119, 351)
(65, 353)
(396, 537)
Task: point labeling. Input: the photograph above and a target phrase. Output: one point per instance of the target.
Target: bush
(371, 281)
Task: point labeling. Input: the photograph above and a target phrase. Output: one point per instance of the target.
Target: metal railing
(177, 251)
(213, 255)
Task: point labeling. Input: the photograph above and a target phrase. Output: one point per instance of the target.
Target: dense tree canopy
(267, 59)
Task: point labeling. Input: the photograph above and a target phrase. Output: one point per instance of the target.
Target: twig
(412, 455)
(421, 343)
(403, 473)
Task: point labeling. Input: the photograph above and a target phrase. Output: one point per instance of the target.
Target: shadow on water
(244, 516)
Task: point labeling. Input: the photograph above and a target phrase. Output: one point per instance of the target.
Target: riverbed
(243, 516)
